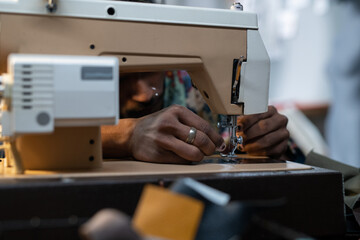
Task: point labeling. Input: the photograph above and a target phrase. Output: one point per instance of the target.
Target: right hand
(160, 137)
(265, 134)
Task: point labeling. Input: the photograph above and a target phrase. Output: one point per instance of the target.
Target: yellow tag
(162, 213)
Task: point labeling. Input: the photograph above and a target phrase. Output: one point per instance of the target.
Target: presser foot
(230, 122)
(234, 143)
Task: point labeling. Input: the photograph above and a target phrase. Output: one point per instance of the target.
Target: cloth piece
(168, 215)
(179, 90)
(351, 176)
(352, 200)
(352, 192)
(353, 184)
(322, 161)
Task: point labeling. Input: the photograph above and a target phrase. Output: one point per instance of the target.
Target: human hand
(161, 137)
(264, 134)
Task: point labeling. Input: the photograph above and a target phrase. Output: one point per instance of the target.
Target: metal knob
(237, 6)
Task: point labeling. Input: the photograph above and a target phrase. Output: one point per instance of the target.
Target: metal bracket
(236, 80)
(51, 6)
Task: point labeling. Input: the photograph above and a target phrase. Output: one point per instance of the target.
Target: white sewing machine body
(221, 49)
(53, 107)
(47, 91)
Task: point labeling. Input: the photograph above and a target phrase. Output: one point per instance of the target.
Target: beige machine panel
(139, 47)
(66, 148)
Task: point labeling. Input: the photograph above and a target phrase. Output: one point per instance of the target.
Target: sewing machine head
(221, 49)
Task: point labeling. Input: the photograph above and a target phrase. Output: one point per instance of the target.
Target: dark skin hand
(160, 137)
(148, 133)
(264, 134)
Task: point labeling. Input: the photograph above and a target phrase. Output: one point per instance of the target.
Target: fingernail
(221, 148)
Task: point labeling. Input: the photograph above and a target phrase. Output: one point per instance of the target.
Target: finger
(192, 120)
(267, 141)
(182, 149)
(246, 121)
(181, 131)
(274, 151)
(265, 126)
(278, 150)
(201, 140)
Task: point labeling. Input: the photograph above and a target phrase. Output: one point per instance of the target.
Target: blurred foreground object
(160, 214)
(109, 224)
(52, 108)
(57, 203)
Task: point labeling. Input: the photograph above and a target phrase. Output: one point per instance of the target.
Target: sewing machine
(221, 50)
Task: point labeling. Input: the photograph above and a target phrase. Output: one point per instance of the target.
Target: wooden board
(209, 165)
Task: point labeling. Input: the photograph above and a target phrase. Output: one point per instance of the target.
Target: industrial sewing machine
(60, 62)
(221, 49)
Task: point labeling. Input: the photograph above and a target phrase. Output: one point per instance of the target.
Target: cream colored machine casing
(149, 37)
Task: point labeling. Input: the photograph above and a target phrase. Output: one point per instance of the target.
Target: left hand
(264, 134)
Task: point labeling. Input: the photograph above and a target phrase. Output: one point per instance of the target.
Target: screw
(51, 6)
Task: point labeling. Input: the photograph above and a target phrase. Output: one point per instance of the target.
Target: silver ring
(191, 137)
